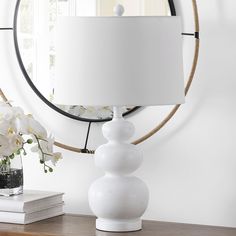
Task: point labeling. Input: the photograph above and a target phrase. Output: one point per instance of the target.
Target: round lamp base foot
(118, 225)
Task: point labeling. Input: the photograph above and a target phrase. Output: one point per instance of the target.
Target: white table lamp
(117, 61)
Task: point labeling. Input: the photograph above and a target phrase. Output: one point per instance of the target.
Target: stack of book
(31, 206)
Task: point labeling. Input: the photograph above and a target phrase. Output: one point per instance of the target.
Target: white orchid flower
(35, 128)
(15, 142)
(6, 113)
(14, 125)
(8, 118)
(56, 156)
(5, 146)
(46, 146)
(4, 127)
(17, 112)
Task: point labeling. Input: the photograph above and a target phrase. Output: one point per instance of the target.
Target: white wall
(190, 166)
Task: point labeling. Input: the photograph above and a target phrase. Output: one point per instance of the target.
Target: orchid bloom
(15, 130)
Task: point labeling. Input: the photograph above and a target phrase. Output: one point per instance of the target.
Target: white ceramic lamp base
(118, 199)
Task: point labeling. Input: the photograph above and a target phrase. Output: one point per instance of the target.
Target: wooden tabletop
(76, 225)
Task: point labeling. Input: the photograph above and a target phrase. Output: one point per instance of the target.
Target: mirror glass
(35, 29)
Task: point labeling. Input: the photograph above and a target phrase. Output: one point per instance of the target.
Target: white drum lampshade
(117, 61)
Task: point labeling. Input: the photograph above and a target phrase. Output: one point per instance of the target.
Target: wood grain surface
(77, 225)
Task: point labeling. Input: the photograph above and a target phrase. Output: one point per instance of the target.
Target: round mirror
(34, 30)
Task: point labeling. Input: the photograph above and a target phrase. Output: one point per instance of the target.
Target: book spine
(10, 217)
(11, 206)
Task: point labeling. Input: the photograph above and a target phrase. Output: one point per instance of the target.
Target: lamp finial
(118, 10)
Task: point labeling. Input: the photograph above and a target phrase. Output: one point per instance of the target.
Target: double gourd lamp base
(116, 61)
(118, 198)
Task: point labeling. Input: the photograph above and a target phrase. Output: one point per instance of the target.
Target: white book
(30, 201)
(26, 218)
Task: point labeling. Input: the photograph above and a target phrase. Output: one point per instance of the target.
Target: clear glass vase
(11, 176)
